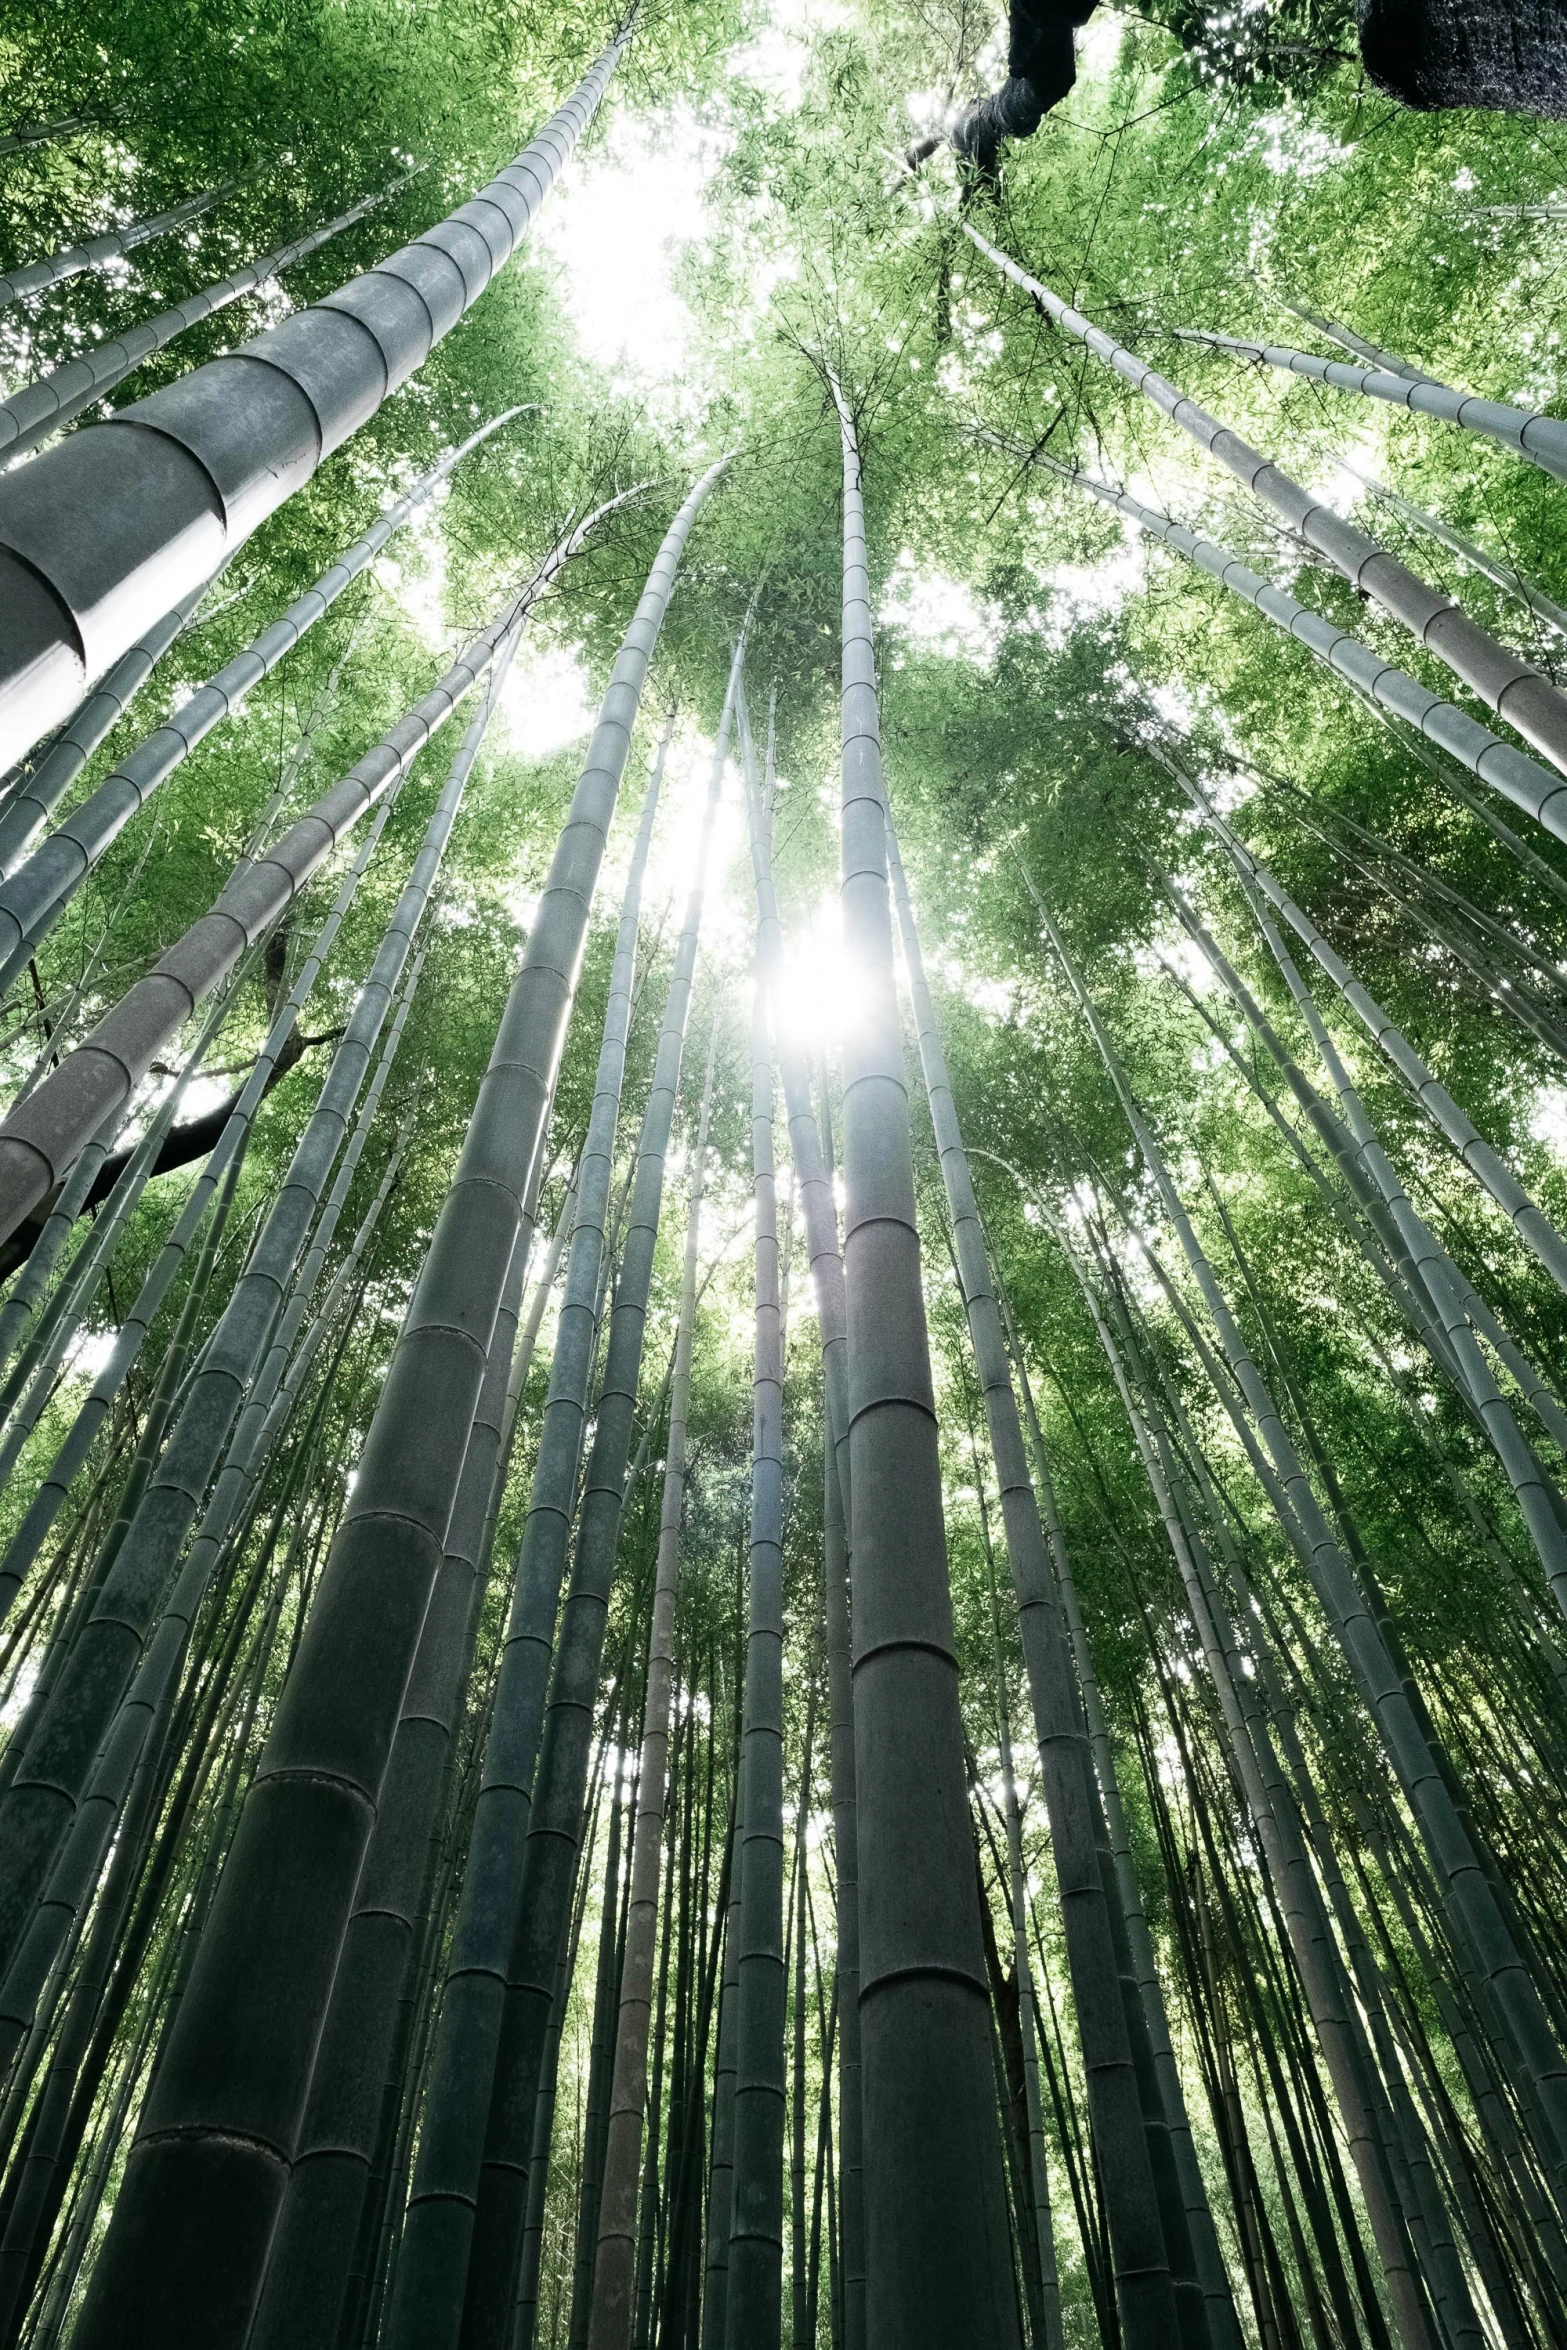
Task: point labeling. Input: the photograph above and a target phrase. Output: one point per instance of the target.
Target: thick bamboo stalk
(1501, 575)
(35, 893)
(938, 2259)
(555, 1820)
(40, 1138)
(1140, 2206)
(431, 2257)
(305, 2293)
(161, 508)
(612, 2308)
(41, 408)
(202, 2186)
(35, 277)
(36, 1810)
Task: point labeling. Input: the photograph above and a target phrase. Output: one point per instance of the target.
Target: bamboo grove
(783, 1188)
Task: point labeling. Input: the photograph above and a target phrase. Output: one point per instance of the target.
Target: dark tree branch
(1041, 69)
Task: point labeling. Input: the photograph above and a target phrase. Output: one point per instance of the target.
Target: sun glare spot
(545, 703)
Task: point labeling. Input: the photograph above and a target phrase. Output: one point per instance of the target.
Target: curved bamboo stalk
(233, 440)
(614, 2272)
(1511, 687)
(432, 2253)
(235, 2069)
(41, 408)
(41, 1137)
(938, 2260)
(34, 894)
(34, 277)
(555, 1820)
(1525, 432)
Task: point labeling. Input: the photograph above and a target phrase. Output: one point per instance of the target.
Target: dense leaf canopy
(738, 230)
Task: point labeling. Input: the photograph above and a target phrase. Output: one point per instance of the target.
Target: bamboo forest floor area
(783, 1182)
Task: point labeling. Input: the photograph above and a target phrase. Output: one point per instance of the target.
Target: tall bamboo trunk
(203, 2184)
(555, 1822)
(308, 2267)
(813, 1176)
(432, 2257)
(613, 2306)
(938, 2259)
(37, 1808)
(1156, 2282)
(754, 2311)
(231, 441)
(1523, 432)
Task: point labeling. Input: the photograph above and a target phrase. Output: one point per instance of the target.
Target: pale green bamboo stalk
(41, 408)
(37, 277)
(614, 2271)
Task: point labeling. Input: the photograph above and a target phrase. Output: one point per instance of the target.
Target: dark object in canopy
(1041, 68)
(1511, 55)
